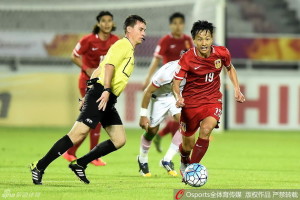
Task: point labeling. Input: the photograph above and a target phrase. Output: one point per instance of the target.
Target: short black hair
(96, 28)
(176, 15)
(131, 21)
(201, 26)
(103, 13)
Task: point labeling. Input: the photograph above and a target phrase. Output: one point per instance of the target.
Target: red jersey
(92, 50)
(169, 48)
(202, 76)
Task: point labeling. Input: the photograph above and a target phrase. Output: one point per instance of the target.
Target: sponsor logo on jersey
(172, 46)
(94, 49)
(218, 63)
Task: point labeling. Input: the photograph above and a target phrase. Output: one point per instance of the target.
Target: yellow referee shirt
(120, 55)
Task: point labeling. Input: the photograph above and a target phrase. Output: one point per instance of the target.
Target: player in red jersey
(168, 49)
(87, 54)
(201, 99)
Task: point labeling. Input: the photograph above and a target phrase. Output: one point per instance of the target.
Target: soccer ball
(195, 175)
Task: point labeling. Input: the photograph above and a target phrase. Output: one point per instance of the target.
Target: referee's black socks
(60, 147)
(98, 151)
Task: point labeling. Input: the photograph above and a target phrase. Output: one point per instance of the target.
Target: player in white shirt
(163, 102)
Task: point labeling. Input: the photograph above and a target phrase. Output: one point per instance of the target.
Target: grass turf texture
(235, 160)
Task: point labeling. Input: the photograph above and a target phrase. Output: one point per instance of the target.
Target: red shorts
(191, 117)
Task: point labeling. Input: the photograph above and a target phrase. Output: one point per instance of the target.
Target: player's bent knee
(119, 143)
(76, 137)
(206, 130)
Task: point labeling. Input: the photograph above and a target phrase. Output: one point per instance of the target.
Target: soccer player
(107, 81)
(201, 99)
(162, 103)
(168, 49)
(87, 55)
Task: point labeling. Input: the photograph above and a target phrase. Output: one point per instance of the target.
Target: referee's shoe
(79, 171)
(36, 174)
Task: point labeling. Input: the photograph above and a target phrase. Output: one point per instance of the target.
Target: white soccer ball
(195, 175)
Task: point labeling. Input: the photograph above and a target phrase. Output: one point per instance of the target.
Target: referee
(106, 84)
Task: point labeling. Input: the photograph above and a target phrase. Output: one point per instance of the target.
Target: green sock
(148, 136)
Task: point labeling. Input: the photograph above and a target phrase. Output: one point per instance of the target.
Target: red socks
(171, 127)
(185, 155)
(199, 150)
(94, 136)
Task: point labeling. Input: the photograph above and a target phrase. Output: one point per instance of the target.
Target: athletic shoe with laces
(36, 174)
(79, 171)
(169, 166)
(144, 169)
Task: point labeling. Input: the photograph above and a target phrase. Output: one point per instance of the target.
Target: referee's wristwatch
(107, 89)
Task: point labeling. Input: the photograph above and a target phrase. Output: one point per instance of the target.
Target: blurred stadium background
(37, 38)
(38, 92)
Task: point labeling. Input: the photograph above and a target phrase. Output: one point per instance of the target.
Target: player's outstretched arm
(152, 68)
(176, 92)
(144, 121)
(239, 97)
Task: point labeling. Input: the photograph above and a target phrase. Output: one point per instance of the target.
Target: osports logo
(179, 194)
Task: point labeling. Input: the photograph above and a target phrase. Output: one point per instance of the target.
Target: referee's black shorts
(91, 116)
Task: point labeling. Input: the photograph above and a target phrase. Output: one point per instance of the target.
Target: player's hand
(89, 71)
(239, 97)
(81, 102)
(144, 122)
(180, 102)
(103, 100)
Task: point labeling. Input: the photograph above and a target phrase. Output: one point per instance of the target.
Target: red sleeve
(227, 58)
(183, 68)
(161, 48)
(81, 47)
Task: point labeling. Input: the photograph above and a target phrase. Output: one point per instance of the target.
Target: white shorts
(161, 107)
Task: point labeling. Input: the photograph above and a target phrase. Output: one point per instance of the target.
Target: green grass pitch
(235, 160)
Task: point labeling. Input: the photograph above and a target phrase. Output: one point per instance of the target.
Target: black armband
(107, 89)
(92, 81)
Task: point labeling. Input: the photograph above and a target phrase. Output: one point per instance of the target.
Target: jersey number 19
(209, 77)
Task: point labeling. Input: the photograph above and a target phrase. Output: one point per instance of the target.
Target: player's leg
(116, 141)
(161, 133)
(76, 134)
(166, 162)
(70, 155)
(211, 116)
(185, 149)
(145, 144)
(94, 139)
(189, 123)
(112, 123)
(177, 139)
(201, 146)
